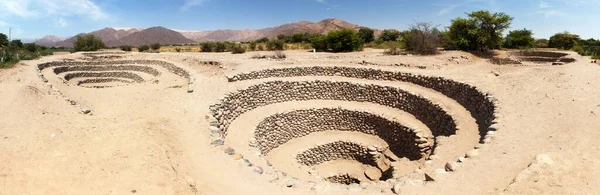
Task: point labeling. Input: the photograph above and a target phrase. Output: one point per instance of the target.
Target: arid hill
(113, 37)
(323, 26)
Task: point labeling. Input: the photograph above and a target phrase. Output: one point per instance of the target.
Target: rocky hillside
(114, 37)
(323, 26)
(49, 40)
(110, 36)
(154, 35)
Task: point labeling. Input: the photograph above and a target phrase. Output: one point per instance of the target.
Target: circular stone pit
(400, 143)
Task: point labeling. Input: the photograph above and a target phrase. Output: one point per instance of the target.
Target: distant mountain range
(113, 37)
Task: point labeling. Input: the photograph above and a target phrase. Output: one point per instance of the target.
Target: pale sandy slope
(152, 139)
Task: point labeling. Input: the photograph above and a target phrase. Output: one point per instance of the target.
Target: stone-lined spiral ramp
(108, 74)
(132, 71)
(306, 121)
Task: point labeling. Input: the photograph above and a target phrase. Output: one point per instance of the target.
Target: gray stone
(258, 170)
(217, 142)
(229, 151)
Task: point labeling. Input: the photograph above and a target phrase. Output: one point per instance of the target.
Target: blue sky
(31, 19)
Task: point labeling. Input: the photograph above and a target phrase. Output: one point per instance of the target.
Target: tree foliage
(319, 43)
(481, 31)
(345, 40)
(125, 47)
(143, 48)
(155, 46)
(519, 39)
(564, 40)
(423, 38)
(389, 35)
(541, 43)
(3, 40)
(367, 34)
(276, 45)
(88, 43)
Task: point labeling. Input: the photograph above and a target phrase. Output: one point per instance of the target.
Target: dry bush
(279, 55)
(423, 38)
(393, 50)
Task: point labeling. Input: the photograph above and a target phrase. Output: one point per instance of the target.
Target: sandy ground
(153, 138)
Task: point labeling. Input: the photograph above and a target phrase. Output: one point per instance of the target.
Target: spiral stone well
(344, 145)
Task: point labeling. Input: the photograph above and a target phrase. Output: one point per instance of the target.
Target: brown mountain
(153, 35)
(322, 27)
(49, 41)
(110, 36)
(113, 37)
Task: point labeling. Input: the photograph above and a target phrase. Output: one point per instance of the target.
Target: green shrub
(564, 40)
(143, 48)
(346, 40)
(367, 34)
(389, 35)
(319, 43)
(238, 49)
(276, 45)
(252, 46)
(155, 46)
(125, 47)
(260, 48)
(519, 39)
(220, 47)
(3, 40)
(207, 46)
(31, 47)
(262, 40)
(88, 43)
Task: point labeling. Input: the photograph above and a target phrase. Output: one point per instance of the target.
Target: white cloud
(2, 23)
(549, 13)
(544, 5)
(49, 8)
(61, 22)
(447, 10)
(191, 3)
(321, 1)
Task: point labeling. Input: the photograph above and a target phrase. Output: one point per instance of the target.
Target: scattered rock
(472, 153)
(397, 188)
(451, 166)
(217, 142)
(229, 151)
(429, 177)
(258, 170)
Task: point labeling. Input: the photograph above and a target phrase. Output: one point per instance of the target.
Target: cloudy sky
(31, 19)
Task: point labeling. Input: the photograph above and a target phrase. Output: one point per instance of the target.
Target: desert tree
(367, 34)
(16, 43)
(319, 43)
(481, 31)
(3, 40)
(389, 35)
(345, 40)
(519, 39)
(88, 43)
(564, 40)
